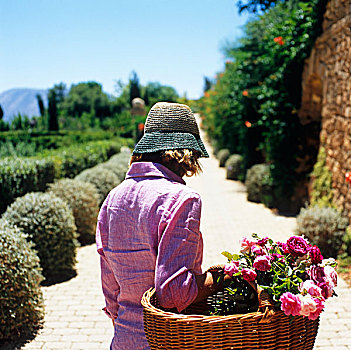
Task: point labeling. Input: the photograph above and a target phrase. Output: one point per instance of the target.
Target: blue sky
(43, 42)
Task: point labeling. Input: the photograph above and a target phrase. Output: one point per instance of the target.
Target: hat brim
(162, 141)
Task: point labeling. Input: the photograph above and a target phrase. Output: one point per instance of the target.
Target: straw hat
(170, 126)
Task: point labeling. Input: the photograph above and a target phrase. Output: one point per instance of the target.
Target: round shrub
(103, 179)
(49, 223)
(223, 156)
(256, 177)
(234, 167)
(118, 164)
(324, 227)
(21, 299)
(83, 200)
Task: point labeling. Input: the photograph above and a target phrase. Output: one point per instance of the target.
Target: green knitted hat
(170, 126)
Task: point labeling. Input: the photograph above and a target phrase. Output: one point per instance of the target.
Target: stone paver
(74, 319)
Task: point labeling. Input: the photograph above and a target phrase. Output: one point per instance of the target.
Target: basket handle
(265, 302)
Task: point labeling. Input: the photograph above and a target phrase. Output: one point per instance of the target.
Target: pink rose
(284, 247)
(257, 250)
(331, 276)
(317, 273)
(308, 305)
(248, 274)
(297, 246)
(319, 308)
(231, 268)
(262, 263)
(311, 288)
(262, 241)
(327, 290)
(315, 254)
(291, 304)
(246, 243)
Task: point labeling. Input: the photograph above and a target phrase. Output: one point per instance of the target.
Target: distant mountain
(22, 101)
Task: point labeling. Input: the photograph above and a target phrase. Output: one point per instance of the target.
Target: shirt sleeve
(178, 253)
(110, 286)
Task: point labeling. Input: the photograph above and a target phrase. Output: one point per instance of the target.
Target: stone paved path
(74, 319)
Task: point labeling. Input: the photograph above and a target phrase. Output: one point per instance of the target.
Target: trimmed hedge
(234, 167)
(24, 143)
(223, 156)
(49, 224)
(255, 179)
(83, 199)
(19, 176)
(21, 299)
(324, 227)
(103, 179)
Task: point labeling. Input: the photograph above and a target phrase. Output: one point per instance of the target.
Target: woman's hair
(186, 160)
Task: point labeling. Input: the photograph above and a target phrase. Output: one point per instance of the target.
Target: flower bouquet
(294, 274)
(272, 301)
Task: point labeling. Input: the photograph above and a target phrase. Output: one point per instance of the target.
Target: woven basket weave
(265, 329)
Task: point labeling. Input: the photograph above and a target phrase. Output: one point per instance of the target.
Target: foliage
(119, 163)
(255, 6)
(134, 87)
(158, 92)
(294, 273)
(83, 199)
(40, 105)
(322, 194)
(252, 107)
(49, 223)
(52, 111)
(256, 177)
(234, 167)
(347, 241)
(86, 97)
(324, 226)
(19, 176)
(25, 144)
(222, 156)
(21, 299)
(20, 122)
(103, 179)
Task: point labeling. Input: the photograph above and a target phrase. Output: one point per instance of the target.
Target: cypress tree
(40, 105)
(134, 87)
(1, 113)
(52, 111)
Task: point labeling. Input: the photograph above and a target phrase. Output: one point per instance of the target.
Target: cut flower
(293, 273)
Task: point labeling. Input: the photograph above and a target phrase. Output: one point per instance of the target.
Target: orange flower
(279, 40)
(245, 93)
(248, 124)
(141, 127)
(207, 94)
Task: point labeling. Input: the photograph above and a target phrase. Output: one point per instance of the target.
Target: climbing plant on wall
(252, 107)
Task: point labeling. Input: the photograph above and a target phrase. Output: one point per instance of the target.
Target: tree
(207, 84)
(1, 113)
(87, 97)
(255, 6)
(158, 92)
(134, 87)
(52, 110)
(40, 105)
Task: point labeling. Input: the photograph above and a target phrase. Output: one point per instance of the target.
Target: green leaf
(228, 255)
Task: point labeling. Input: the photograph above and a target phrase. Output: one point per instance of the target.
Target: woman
(148, 231)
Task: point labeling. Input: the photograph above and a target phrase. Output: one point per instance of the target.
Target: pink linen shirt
(148, 234)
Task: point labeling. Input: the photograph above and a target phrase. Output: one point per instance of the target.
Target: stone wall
(327, 95)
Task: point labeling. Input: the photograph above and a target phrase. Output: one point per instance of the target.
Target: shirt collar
(150, 169)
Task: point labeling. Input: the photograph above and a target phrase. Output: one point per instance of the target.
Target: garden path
(74, 319)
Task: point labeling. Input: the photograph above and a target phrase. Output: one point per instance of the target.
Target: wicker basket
(265, 329)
